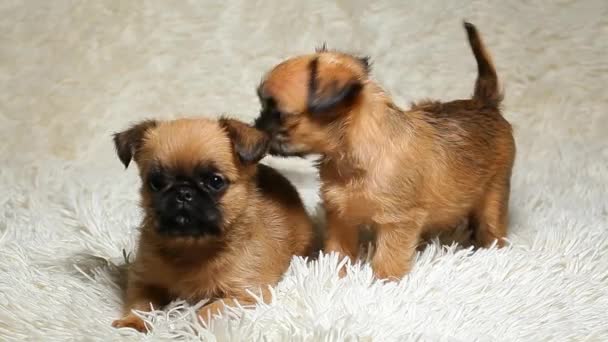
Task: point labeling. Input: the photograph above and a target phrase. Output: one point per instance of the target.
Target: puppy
(216, 222)
(405, 173)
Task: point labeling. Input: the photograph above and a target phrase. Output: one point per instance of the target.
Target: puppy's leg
(140, 297)
(342, 238)
(489, 219)
(395, 249)
(217, 306)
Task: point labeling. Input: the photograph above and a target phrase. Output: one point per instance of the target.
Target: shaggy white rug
(73, 72)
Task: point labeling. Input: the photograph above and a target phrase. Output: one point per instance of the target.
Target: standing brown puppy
(216, 222)
(404, 172)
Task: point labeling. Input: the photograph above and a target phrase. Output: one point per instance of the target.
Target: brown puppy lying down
(404, 172)
(216, 222)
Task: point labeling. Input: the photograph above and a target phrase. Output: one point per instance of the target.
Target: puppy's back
(474, 128)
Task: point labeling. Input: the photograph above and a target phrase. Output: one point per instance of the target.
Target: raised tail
(486, 87)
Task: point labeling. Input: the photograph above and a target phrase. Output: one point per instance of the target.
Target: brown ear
(365, 61)
(128, 142)
(332, 89)
(250, 144)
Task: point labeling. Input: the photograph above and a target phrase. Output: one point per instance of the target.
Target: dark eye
(156, 182)
(215, 182)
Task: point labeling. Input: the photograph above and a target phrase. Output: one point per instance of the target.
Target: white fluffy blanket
(73, 72)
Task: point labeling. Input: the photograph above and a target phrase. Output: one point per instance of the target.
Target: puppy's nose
(268, 121)
(261, 123)
(184, 194)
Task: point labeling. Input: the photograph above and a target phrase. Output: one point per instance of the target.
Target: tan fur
(264, 222)
(404, 172)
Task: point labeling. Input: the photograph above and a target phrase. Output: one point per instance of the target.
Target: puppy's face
(195, 172)
(305, 98)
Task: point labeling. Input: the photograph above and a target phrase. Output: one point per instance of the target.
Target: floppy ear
(332, 89)
(250, 144)
(128, 142)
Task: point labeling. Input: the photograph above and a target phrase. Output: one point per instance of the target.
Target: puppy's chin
(285, 149)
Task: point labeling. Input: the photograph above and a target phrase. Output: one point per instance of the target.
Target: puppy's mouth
(188, 223)
(182, 220)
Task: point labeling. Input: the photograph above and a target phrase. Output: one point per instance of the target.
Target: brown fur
(264, 221)
(404, 172)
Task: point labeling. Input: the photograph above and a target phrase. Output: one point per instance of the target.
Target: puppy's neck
(363, 131)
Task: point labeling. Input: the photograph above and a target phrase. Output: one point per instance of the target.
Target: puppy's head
(195, 172)
(304, 97)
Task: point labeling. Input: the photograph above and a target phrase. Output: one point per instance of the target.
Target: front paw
(131, 321)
